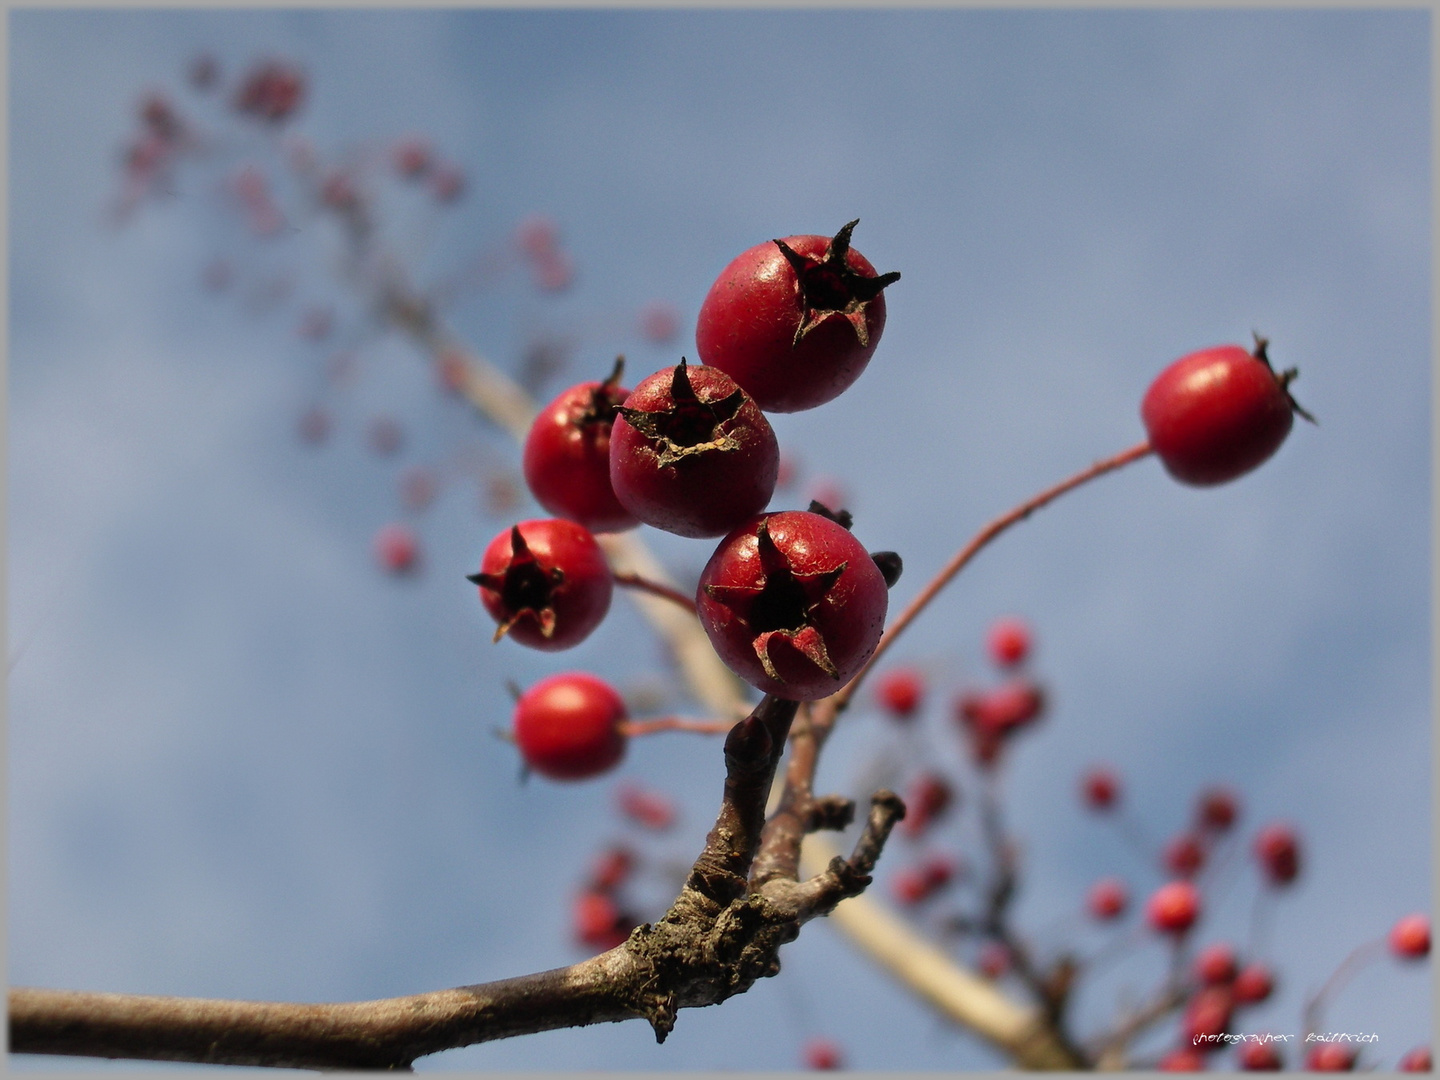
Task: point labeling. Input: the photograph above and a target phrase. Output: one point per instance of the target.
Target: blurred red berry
(272, 91)
(648, 808)
(659, 322)
(611, 869)
(1417, 1060)
(538, 236)
(1253, 983)
(447, 183)
(1330, 1057)
(1108, 898)
(204, 72)
(599, 923)
(909, 887)
(412, 157)
(1410, 937)
(397, 549)
(1185, 1059)
(1184, 855)
(1100, 788)
(899, 691)
(338, 192)
(1174, 907)
(1218, 807)
(823, 1054)
(1260, 1057)
(994, 960)
(1216, 964)
(1207, 1016)
(929, 798)
(555, 272)
(1009, 641)
(1278, 850)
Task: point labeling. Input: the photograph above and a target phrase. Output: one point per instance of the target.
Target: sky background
(244, 763)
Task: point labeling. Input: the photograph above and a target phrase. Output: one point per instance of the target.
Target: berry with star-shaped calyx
(545, 582)
(691, 453)
(793, 604)
(567, 455)
(794, 321)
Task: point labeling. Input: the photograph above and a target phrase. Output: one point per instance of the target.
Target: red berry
(1184, 855)
(1185, 1059)
(917, 883)
(1207, 1017)
(909, 887)
(929, 798)
(413, 158)
(1008, 641)
(545, 582)
(1216, 414)
(1100, 788)
(272, 91)
(794, 321)
(1253, 984)
(1174, 907)
(691, 454)
(1216, 965)
(1278, 851)
(567, 726)
(599, 923)
(567, 455)
(1417, 1060)
(647, 808)
(1108, 898)
(397, 549)
(900, 691)
(823, 1054)
(1260, 1057)
(1330, 1057)
(659, 322)
(447, 183)
(1410, 937)
(994, 960)
(793, 604)
(611, 869)
(1217, 809)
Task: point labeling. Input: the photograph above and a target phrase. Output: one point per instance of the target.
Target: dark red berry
(1217, 809)
(794, 321)
(271, 91)
(1417, 1060)
(1184, 855)
(1260, 1057)
(611, 869)
(1174, 907)
(1008, 641)
(1216, 414)
(691, 454)
(1100, 788)
(793, 604)
(1185, 1059)
(567, 726)
(1253, 984)
(1278, 851)
(918, 883)
(899, 691)
(1330, 1057)
(1216, 965)
(929, 797)
(1410, 937)
(545, 582)
(1108, 898)
(599, 922)
(567, 455)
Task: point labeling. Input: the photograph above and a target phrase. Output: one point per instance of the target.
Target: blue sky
(244, 764)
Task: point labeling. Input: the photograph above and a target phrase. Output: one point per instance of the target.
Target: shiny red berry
(900, 691)
(794, 321)
(1260, 1057)
(1410, 937)
(1174, 907)
(1277, 849)
(567, 455)
(567, 726)
(793, 604)
(1253, 984)
(1100, 788)
(1216, 965)
(1008, 641)
(690, 453)
(545, 582)
(1216, 414)
(1108, 899)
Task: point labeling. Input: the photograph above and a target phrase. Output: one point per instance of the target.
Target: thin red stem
(635, 581)
(978, 544)
(675, 723)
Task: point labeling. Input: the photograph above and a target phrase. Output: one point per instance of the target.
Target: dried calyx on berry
(828, 286)
(688, 426)
(526, 589)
